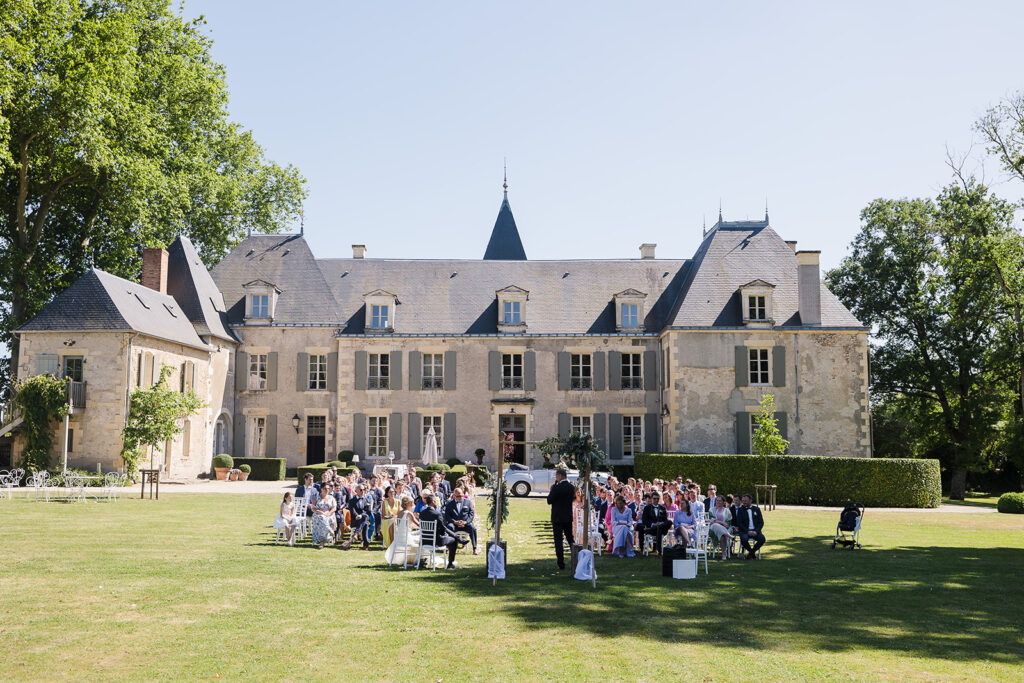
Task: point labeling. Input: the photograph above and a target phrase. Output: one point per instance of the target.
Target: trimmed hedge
(263, 469)
(807, 479)
(424, 475)
(222, 460)
(1012, 503)
(439, 467)
(457, 472)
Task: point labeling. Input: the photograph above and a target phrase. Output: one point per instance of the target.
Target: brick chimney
(154, 269)
(808, 278)
(358, 250)
(647, 250)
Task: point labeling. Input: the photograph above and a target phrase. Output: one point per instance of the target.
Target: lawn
(193, 587)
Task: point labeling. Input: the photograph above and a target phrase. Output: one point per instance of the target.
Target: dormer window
(379, 318)
(259, 304)
(512, 309)
(629, 310)
(756, 303)
(380, 311)
(260, 300)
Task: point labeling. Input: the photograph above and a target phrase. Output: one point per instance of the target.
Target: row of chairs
(66, 485)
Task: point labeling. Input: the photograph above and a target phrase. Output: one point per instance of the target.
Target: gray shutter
(563, 371)
(779, 366)
(615, 436)
(153, 373)
(271, 450)
(615, 374)
(494, 370)
(449, 370)
(302, 372)
(530, 371)
(415, 371)
(448, 426)
(191, 375)
(650, 370)
(395, 434)
(241, 370)
(359, 434)
(415, 425)
(743, 432)
(742, 366)
(238, 447)
(564, 424)
(332, 371)
(395, 378)
(361, 371)
(599, 371)
(780, 420)
(600, 431)
(272, 371)
(651, 432)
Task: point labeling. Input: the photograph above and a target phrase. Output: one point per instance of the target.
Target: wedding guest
(721, 526)
(389, 513)
(459, 513)
(655, 521)
(696, 506)
(361, 509)
(444, 533)
(323, 517)
(750, 522)
(286, 518)
(684, 523)
(622, 529)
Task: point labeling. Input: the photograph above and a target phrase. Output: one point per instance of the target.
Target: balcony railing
(9, 413)
(76, 395)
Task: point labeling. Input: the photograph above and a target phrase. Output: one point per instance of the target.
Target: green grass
(975, 499)
(192, 587)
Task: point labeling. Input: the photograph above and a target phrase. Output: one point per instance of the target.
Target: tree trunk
(958, 484)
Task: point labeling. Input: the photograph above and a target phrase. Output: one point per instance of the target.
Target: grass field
(192, 587)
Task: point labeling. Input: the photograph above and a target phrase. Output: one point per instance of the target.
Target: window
(631, 371)
(317, 372)
(759, 367)
(630, 315)
(379, 316)
(629, 309)
(377, 437)
(579, 371)
(188, 376)
(74, 368)
(433, 371)
(511, 371)
(582, 424)
(71, 440)
(379, 371)
(257, 371)
(757, 308)
(256, 439)
(512, 313)
(435, 422)
(632, 435)
(259, 305)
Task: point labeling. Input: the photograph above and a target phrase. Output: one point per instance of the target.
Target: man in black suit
(361, 511)
(444, 533)
(655, 521)
(560, 498)
(750, 522)
(443, 487)
(459, 513)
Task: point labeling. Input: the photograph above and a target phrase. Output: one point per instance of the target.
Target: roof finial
(302, 224)
(766, 208)
(704, 229)
(719, 209)
(504, 184)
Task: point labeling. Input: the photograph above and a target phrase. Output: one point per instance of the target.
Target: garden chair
(700, 547)
(75, 486)
(38, 482)
(427, 548)
(111, 484)
(401, 543)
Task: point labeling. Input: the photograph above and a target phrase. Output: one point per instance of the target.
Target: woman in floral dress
(323, 517)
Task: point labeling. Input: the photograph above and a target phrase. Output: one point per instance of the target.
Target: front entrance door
(6, 453)
(316, 439)
(516, 426)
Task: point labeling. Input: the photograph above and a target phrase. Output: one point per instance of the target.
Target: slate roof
(99, 301)
(189, 282)
(505, 244)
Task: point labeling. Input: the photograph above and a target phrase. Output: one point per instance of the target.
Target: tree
(42, 400)
(1002, 128)
(920, 277)
(114, 134)
(155, 416)
(767, 438)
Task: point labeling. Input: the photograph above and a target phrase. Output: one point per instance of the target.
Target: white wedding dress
(399, 552)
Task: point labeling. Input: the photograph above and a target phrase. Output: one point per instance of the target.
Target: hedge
(317, 470)
(457, 472)
(222, 460)
(807, 479)
(1012, 503)
(263, 469)
(481, 475)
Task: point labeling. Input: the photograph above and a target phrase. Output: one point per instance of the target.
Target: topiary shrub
(481, 475)
(1011, 503)
(807, 479)
(346, 455)
(223, 460)
(263, 469)
(337, 463)
(439, 467)
(244, 468)
(457, 472)
(424, 475)
(452, 462)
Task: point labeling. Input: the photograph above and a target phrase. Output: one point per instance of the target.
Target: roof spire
(504, 184)
(719, 209)
(704, 229)
(766, 208)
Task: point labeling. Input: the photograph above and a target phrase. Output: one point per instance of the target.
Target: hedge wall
(807, 479)
(317, 470)
(263, 469)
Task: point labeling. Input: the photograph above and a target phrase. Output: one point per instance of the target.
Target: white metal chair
(401, 543)
(427, 548)
(4, 477)
(75, 486)
(305, 525)
(38, 483)
(12, 480)
(700, 547)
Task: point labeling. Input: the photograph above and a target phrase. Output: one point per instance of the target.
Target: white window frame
(378, 371)
(581, 371)
(256, 438)
(581, 424)
(259, 305)
(433, 371)
(316, 372)
(510, 363)
(437, 422)
(630, 315)
(757, 307)
(258, 371)
(629, 310)
(760, 294)
(635, 378)
(377, 436)
(633, 435)
(381, 308)
(759, 368)
(512, 309)
(380, 316)
(513, 313)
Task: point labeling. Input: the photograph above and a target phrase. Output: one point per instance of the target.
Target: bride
(406, 526)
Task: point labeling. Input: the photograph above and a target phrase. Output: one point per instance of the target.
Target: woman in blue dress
(622, 529)
(323, 517)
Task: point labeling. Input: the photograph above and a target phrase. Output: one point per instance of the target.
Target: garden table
(154, 477)
(769, 495)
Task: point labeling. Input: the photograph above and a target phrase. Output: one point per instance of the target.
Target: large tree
(115, 134)
(919, 275)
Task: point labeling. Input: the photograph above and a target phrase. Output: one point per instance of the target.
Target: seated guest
(389, 513)
(709, 502)
(721, 526)
(306, 493)
(684, 523)
(749, 522)
(696, 507)
(655, 520)
(342, 516)
(622, 528)
(323, 517)
(444, 533)
(459, 513)
(413, 482)
(424, 495)
(361, 508)
(442, 487)
(286, 518)
(668, 499)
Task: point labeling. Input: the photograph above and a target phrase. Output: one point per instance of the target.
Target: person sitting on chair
(749, 521)
(444, 533)
(361, 509)
(684, 522)
(655, 521)
(442, 487)
(459, 513)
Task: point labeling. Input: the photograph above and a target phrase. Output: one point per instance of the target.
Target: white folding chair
(427, 548)
(401, 543)
(75, 486)
(700, 547)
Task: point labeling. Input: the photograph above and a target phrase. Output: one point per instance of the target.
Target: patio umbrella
(430, 448)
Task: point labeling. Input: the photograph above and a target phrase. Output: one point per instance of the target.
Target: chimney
(154, 269)
(647, 250)
(791, 244)
(808, 279)
(358, 250)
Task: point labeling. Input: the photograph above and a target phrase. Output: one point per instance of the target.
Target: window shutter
(359, 434)
(415, 442)
(650, 370)
(494, 371)
(302, 372)
(600, 431)
(651, 432)
(563, 373)
(564, 424)
(598, 370)
(395, 381)
(272, 371)
(448, 427)
(361, 371)
(742, 366)
(271, 449)
(332, 371)
(241, 371)
(615, 375)
(449, 370)
(415, 371)
(395, 434)
(191, 375)
(238, 447)
(743, 433)
(530, 371)
(779, 366)
(615, 436)
(780, 420)
(47, 364)
(151, 371)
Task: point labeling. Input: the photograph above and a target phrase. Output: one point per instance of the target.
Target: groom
(560, 499)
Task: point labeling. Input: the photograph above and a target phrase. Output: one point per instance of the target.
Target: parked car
(522, 481)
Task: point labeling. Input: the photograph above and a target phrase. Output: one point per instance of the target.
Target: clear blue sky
(622, 122)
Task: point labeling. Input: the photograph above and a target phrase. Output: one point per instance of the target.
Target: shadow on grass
(984, 501)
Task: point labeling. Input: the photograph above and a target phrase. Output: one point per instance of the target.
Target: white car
(522, 481)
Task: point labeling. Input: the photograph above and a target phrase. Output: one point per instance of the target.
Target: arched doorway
(220, 434)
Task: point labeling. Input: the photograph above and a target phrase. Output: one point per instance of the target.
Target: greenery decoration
(263, 469)
(498, 500)
(222, 461)
(42, 400)
(154, 416)
(1012, 503)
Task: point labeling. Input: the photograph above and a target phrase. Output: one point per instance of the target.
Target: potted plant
(479, 453)
(233, 474)
(243, 472)
(222, 464)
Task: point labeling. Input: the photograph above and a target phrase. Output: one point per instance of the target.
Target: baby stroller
(849, 526)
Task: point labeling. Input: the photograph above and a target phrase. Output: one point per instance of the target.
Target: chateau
(302, 357)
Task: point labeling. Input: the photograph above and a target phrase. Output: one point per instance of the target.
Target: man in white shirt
(459, 514)
(749, 521)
